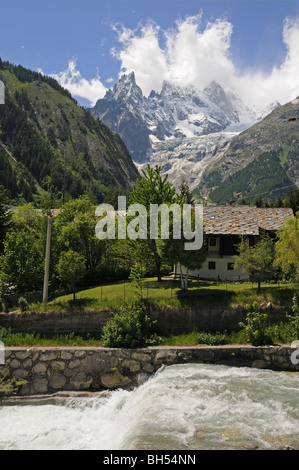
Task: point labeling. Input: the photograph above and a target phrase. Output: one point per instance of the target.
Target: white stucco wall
(220, 269)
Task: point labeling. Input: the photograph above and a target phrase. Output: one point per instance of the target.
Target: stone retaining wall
(170, 321)
(49, 370)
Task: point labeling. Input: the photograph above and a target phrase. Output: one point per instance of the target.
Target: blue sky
(87, 44)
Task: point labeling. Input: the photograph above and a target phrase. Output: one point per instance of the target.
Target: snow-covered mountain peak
(176, 112)
(126, 81)
(124, 89)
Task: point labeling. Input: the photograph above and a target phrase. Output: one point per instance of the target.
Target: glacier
(182, 129)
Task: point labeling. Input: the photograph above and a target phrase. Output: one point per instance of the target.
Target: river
(181, 407)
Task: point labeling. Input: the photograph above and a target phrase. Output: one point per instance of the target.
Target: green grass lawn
(169, 293)
(165, 293)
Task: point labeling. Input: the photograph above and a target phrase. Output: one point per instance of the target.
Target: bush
(23, 304)
(9, 386)
(130, 327)
(294, 319)
(256, 326)
(5, 307)
(209, 338)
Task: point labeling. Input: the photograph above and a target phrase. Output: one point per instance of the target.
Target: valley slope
(49, 142)
(263, 159)
(210, 138)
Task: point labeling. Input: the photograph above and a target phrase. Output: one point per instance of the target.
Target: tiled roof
(273, 218)
(243, 220)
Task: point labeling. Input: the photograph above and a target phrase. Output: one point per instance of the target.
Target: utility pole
(64, 179)
(47, 260)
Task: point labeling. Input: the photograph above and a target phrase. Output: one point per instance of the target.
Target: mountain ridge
(262, 158)
(209, 138)
(174, 112)
(49, 142)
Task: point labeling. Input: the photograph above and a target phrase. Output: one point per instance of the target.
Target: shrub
(5, 307)
(130, 327)
(9, 386)
(137, 279)
(256, 325)
(209, 338)
(294, 319)
(23, 304)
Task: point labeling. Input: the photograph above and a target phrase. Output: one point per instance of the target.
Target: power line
(266, 192)
(272, 190)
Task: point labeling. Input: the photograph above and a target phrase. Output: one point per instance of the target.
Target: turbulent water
(181, 407)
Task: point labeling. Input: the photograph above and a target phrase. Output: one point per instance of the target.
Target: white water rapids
(181, 407)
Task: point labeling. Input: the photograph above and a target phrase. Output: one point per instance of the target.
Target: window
(230, 266)
(212, 264)
(212, 241)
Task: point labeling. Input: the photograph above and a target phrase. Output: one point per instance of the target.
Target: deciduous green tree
(71, 268)
(22, 261)
(258, 259)
(152, 188)
(287, 248)
(5, 216)
(75, 228)
(292, 200)
(187, 260)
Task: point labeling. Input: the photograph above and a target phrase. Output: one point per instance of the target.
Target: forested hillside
(48, 142)
(260, 160)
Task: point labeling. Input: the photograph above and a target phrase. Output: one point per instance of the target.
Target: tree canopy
(287, 248)
(257, 259)
(5, 216)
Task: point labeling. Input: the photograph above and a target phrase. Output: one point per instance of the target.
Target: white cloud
(282, 83)
(143, 55)
(192, 53)
(78, 86)
(195, 54)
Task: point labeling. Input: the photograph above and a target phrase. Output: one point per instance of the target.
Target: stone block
(40, 385)
(74, 363)
(65, 355)
(20, 374)
(58, 365)
(166, 356)
(114, 379)
(93, 363)
(259, 364)
(147, 367)
(49, 356)
(81, 381)
(27, 363)
(23, 354)
(80, 354)
(140, 356)
(134, 366)
(57, 380)
(35, 357)
(39, 368)
(15, 364)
